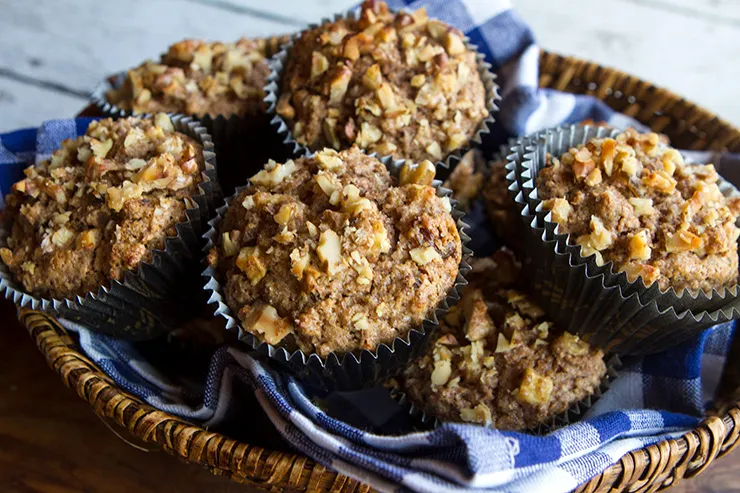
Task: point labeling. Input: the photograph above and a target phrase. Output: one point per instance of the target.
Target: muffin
(398, 84)
(332, 254)
(632, 201)
(466, 179)
(100, 205)
(496, 360)
(199, 78)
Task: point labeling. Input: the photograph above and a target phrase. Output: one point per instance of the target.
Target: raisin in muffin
(100, 205)
(399, 84)
(200, 78)
(497, 361)
(331, 253)
(632, 201)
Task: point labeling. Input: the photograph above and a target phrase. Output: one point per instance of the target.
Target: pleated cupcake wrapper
(279, 60)
(528, 159)
(344, 371)
(149, 301)
(575, 412)
(243, 143)
(584, 298)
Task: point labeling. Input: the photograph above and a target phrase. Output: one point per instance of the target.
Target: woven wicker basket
(649, 469)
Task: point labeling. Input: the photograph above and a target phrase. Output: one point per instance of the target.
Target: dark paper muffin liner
(599, 305)
(277, 65)
(243, 143)
(575, 412)
(153, 299)
(351, 370)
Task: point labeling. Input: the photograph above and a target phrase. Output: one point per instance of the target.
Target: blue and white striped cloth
(367, 436)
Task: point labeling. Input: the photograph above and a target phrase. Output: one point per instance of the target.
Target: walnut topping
(683, 241)
(329, 159)
(423, 256)
(671, 159)
(162, 120)
(478, 324)
(454, 44)
(248, 202)
(368, 135)
(420, 174)
(503, 345)
(283, 215)
(88, 239)
(265, 321)
(100, 149)
(480, 414)
(634, 270)
(373, 78)
(593, 178)
(643, 207)
(360, 322)
(599, 239)
(659, 180)
(639, 247)
(573, 344)
(230, 246)
(251, 263)
(338, 85)
(319, 64)
(274, 173)
(299, 260)
(535, 388)
(330, 251)
(560, 209)
(442, 372)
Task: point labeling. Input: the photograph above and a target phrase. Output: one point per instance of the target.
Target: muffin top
(497, 361)
(398, 84)
(632, 200)
(200, 78)
(329, 254)
(100, 205)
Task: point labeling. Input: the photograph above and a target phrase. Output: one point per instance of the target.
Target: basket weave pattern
(650, 469)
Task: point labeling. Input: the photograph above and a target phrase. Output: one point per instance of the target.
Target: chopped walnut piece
(329, 159)
(560, 209)
(573, 344)
(643, 207)
(265, 321)
(420, 174)
(338, 85)
(274, 173)
(252, 264)
(319, 64)
(639, 248)
(454, 44)
(535, 389)
(423, 256)
(283, 215)
(442, 372)
(230, 246)
(330, 251)
(480, 414)
(683, 241)
(659, 180)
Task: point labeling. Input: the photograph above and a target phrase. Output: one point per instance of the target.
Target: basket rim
(665, 462)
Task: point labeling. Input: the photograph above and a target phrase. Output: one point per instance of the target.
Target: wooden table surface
(52, 442)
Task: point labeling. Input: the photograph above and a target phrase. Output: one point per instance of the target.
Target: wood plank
(689, 55)
(720, 11)
(79, 43)
(24, 105)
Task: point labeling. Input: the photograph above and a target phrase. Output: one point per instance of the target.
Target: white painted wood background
(52, 52)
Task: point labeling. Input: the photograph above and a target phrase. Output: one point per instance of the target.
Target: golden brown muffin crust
(398, 84)
(100, 205)
(200, 78)
(633, 201)
(330, 251)
(497, 361)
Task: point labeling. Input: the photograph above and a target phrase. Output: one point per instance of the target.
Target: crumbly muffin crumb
(100, 205)
(200, 78)
(632, 200)
(328, 254)
(399, 84)
(497, 361)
